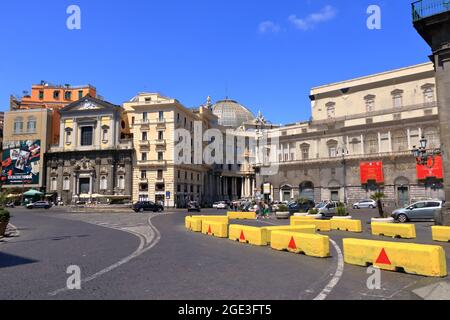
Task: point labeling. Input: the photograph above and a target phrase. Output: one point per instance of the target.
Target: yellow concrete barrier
(188, 222)
(313, 245)
(214, 228)
(242, 215)
(441, 234)
(395, 230)
(196, 221)
(425, 260)
(311, 229)
(302, 218)
(346, 225)
(321, 225)
(251, 235)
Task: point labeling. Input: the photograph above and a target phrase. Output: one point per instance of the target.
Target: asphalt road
(154, 257)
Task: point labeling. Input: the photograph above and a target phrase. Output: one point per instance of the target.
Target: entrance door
(286, 195)
(84, 185)
(403, 196)
(335, 196)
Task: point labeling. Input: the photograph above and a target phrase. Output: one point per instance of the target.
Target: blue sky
(265, 53)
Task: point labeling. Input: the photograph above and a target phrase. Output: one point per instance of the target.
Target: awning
(33, 193)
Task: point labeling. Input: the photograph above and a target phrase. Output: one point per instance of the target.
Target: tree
(378, 197)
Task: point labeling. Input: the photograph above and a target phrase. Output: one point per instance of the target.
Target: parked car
(222, 205)
(295, 207)
(147, 206)
(422, 210)
(329, 209)
(39, 205)
(215, 204)
(371, 204)
(194, 206)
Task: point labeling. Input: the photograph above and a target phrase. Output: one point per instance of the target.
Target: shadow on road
(7, 260)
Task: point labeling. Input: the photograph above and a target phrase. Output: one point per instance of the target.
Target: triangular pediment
(89, 103)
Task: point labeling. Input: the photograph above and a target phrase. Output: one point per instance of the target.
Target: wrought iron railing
(426, 8)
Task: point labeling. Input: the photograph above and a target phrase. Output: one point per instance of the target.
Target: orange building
(52, 97)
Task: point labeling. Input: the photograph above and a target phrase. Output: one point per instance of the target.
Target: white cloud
(268, 27)
(326, 14)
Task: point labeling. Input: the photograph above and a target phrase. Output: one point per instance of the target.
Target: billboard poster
(372, 171)
(433, 169)
(21, 163)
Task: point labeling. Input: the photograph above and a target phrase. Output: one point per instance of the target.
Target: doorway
(85, 185)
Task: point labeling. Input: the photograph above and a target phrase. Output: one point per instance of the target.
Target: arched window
(54, 184)
(399, 141)
(31, 125)
(121, 183)
(371, 144)
(103, 183)
(428, 93)
(370, 103)
(332, 148)
(66, 184)
(397, 98)
(18, 125)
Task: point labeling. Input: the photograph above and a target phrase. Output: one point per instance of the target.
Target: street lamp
(345, 152)
(423, 155)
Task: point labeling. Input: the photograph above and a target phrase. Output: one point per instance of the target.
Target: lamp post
(424, 155)
(344, 151)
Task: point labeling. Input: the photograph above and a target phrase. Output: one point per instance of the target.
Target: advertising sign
(372, 171)
(431, 170)
(21, 163)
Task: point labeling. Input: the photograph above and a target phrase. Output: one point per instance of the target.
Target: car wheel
(371, 207)
(141, 210)
(402, 218)
(46, 208)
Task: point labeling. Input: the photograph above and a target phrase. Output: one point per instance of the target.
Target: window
(18, 125)
(68, 95)
(145, 116)
(179, 174)
(371, 144)
(432, 135)
(161, 116)
(428, 95)
(87, 136)
(331, 110)
(397, 97)
(133, 120)
(160, 135)
(332, 152)
(68, 137)
(31, 125)
(56, 94)
(41, 95)
(148, 99)
(178, 118)
(105, 135)
(54, 184)
(160, 156)
(144, 156)
(397, 116)
(66, 184)
(103, 183)
(305, 151)
(160, 174)
(144, 136)
(80, 94)
(121, 183)
(143, 174)
(370, 103)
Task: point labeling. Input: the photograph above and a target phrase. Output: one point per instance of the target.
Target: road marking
(337, 276)
(145, 244)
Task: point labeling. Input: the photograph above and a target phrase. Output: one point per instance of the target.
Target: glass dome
(231, 113)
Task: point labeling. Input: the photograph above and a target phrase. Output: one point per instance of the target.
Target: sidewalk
(11, 232)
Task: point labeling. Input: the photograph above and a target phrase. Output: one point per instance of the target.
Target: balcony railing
(426, 8)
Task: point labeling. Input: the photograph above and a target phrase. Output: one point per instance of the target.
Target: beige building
(376, 119)
(26, 138)
(152, 121)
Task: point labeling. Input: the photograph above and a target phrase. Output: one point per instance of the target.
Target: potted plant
(378, 197)
(341, 212)
(4, 221)
(283, 212)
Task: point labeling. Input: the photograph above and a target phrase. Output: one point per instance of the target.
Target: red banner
(372, 171)
(431, 170)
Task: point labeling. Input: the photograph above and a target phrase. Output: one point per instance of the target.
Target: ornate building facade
(91, 163)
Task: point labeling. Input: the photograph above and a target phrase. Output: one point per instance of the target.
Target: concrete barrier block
(313, 245)
(425, 260)
(311, 229)
(214, 228)
(346, 225)
(251, 235)
(441, 234)
(321, 225)
(242, 215)
(394, 230)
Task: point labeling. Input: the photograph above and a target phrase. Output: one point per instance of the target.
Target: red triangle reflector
(383, 258)
(242, 238)
(209, 230)
(292, 244)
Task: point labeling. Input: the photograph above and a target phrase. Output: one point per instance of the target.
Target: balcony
(143, 180)
(153, 163)
(159, 180)
(161, 124)
(160, 143)
(144, 143)
(426, 8)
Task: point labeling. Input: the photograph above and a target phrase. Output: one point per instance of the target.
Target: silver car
(371, 204)
(422, 210)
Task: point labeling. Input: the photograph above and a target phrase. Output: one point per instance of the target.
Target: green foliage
(313, 211)
(378, 197)
(283, 208)
(3, 199)
(302, 201)
(341, 210)
(4, 215)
